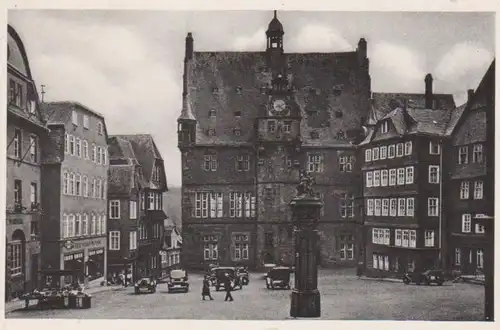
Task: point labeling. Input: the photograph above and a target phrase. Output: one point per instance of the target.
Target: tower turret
(186, 123)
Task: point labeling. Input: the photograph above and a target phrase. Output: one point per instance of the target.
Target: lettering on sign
(84, 244)
(16, 221)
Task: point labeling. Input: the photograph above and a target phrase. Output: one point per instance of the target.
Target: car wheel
(406, 281)
(426, 282)
(267, 285)
(440, 283)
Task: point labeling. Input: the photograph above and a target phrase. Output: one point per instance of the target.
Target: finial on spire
(43, 92)
(275, 14)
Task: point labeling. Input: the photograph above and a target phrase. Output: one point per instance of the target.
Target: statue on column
(304, 189)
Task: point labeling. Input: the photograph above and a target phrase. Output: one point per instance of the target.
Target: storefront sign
(84, 244)
(94, 252)
(15, 221)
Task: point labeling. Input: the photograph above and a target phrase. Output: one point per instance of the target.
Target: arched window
(94, 152)
(99, 188)
(98, 225)
(78, 225)
(78, 185)
(85, 149)
(65, 183)
(85, 186)
(16, 253)
(72, 184)
(103, 224)
(93, 224)
(71, 225)
(85, 224)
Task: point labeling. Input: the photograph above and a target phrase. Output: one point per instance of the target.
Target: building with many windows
(137, 184)
(74, 190)
(402, 168)
(249, 121)
(25, 134)
(469, 182)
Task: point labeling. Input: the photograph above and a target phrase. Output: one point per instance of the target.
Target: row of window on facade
(397, 150)
(478, 189)
(467, 225)
(479, 257)
(18, 196)
(75, 146)
(397, 176)
(393, 207)
(75, 184)
(16, 94)
(210, 205)
(154, 202)
(17, 142)
(75, 119)
(170, 259)
(76, 225)
(402, 237)
(210, 162)
(239, 247)
(477, 154)
(141, 234)
(381, 262)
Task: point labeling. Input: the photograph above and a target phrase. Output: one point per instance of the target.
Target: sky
(127, 65)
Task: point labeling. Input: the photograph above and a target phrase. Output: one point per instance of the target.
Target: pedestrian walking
(205, 292)
(228, 287)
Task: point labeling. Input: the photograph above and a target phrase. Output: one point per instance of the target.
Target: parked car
(145, 284)
(178, 281)
(242, 273)
(220, 277)
(278, 277)
(426, 277)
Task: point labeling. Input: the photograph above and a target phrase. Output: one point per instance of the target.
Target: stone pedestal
(305, 298)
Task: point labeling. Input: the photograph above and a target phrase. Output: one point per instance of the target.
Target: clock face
(279, 105)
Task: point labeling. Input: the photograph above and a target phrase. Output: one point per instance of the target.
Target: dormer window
(239, 90)
(384, 127)
(338, 114)
(211, 132)
(237, 113)
(156, 173)
(99, 128)
(314, 135)
(215, 90)
(211, 113)
(237, 132)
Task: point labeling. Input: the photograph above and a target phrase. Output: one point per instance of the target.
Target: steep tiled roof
(455, 115)
(120, 179)
(144, 149)
(227, 82)
(383, 103)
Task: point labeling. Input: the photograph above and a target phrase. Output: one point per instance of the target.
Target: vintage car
(426, 277)
(145, 284)
(178, 281)
(220, 274)
(278, 277)
(242, 273)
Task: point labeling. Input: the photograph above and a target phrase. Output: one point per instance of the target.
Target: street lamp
(306, 206)
(488, 265)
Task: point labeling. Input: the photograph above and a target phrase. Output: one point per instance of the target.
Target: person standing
(228, 287)
(205, 292)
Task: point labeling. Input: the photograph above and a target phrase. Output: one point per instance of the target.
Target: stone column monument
(305, 298)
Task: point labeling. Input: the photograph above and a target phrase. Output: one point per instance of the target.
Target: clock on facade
(279, 105)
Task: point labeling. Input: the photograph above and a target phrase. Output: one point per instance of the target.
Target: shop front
(86, 257)
(74, 262)
(95, 264)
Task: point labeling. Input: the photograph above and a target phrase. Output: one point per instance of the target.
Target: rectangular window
(287, 126)
(384, 127)
(114, 209)
(385, 207)
(413, 238)
(480, 258)
(315, 163)
(378, 206)
(133, 210)
(16, 255)
(410, 206)
(85, 225)
(409, 175)
(434, 148)
(86, 121)
(74, 118)
(249, 205)
(463, 155)
(210, 162)
(215, 205)
(399, 150)
(18, 193)
(18, 141)
(401, 176)
(429, 238)
(346, 163)
(369, 179)
(201, 205)
(398, 237)
(477, 153)
(346, 251)
(210, 251)
(402, 207)
(458, 256)
(394, 207)
(133, 240)
(391, 151)
(347, 205)
(392, 177)
(383, 152)
(94, 153)
(387, 236)
(464, 190)
(271, 126)
(384, 178)
(369, 207)
(375, 153)
(235, 204)
(433, 174)
(478, 189)
(243, 163)
(406, 238)
(72, 148)
(466, 223)
(479, 229)
(433, 205)
(408, 148)
(368, 155)
(33, 194)
(376, 178)
(33, 149)
(99, 128)
(114, 240)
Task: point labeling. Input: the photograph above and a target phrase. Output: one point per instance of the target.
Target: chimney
(428, 91)
(362, 51)
(189, 46)
(470, 94)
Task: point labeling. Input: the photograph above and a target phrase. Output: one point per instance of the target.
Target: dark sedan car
(426, 277)
(145, 284)
(178, 281)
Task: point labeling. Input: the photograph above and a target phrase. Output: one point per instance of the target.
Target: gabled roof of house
(120, 179)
